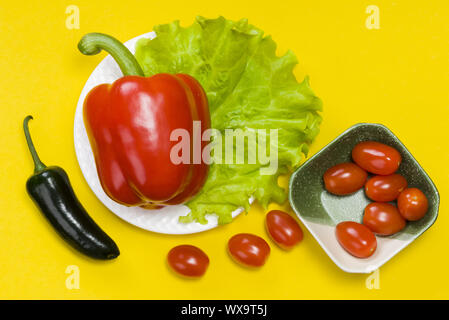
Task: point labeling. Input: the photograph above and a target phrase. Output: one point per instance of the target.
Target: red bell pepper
(129, 123)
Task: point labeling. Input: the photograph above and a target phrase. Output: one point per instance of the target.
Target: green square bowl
(321, 211)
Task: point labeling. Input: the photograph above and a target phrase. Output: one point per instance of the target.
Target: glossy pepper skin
(129, 124)
(51, 191)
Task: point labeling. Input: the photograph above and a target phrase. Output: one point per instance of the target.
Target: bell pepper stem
(38, 165)
(93, 43)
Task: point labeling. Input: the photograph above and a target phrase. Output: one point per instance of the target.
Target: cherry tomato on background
(248, 249)
(188, 260)
(383, 218)
(376, 157)
(413, 204)
(283, 229)
(356, 238)
(344, 178)
(385, 188)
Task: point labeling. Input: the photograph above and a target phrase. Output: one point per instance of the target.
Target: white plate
(164, 220)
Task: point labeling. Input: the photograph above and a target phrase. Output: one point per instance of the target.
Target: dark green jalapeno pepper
(50, 189)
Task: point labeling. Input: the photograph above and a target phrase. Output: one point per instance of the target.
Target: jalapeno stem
(93, 43)
(38, 165)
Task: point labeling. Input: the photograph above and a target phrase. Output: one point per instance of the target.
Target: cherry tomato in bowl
(249, 249)
(412, 204)
(383, 218)
(188, 260)
(344, 178)
(283, 229)
(376, 157)
(356, 239)
(385, 188)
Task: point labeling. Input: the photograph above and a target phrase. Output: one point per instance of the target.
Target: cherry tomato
(356, 238)
(344, 178)
(283, 229)
(412, 204)
(248, 249)
(385, 188)
(188, 260)
(383, 218)
(376, 157)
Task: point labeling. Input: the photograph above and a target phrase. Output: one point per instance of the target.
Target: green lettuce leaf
(248, 87)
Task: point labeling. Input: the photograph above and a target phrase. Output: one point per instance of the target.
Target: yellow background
(397, 76)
